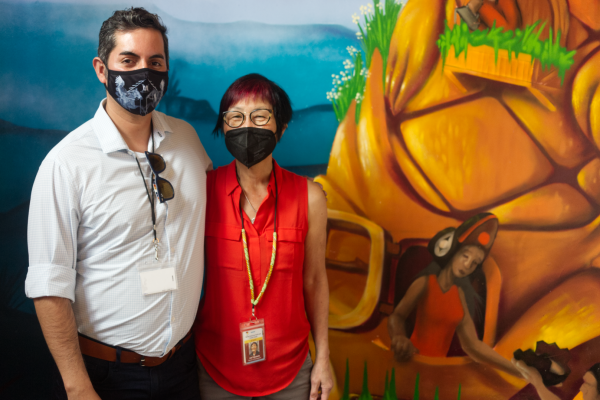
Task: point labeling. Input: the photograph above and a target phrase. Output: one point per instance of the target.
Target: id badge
(253, 341)
(161, 278)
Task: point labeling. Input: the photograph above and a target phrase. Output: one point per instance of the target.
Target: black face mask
(138, 91)
(250, 145)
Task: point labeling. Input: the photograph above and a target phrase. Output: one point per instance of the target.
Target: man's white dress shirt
(90, 233)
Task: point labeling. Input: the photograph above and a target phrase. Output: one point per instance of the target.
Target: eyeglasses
(162, 187)
(235, 119)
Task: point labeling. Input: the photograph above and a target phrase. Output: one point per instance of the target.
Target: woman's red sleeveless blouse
(227, 291)
(438, 315)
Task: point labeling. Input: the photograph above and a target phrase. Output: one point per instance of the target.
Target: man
(115, 250)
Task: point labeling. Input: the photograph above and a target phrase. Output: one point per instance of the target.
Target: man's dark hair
(128, 20)
(255, 86)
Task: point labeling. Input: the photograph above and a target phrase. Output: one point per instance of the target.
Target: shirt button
(173, 319)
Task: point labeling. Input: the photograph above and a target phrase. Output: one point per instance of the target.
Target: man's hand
(320, 377)
(403, 348)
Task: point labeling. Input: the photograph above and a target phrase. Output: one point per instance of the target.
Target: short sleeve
(52, 233)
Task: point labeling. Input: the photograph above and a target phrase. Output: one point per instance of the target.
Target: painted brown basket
(481, 61)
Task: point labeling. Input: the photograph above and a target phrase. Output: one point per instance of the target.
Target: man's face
(140, 48)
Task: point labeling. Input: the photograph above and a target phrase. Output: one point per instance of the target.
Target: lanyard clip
(155, 241)
(253, 314)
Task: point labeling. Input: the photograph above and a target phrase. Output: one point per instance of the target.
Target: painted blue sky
(278, 12)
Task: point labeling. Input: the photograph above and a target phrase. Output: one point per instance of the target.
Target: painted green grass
(389, 392)
(365, 394)
(375, 32)
(549, 52)
(346, 393)
(379, 25)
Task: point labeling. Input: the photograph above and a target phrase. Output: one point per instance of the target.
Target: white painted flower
(355, 18)
(359, 35)
(363, 10)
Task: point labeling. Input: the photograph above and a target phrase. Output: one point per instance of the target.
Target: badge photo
(253, 341)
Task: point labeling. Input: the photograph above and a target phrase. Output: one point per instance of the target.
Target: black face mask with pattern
(138, 91)
(250, 145)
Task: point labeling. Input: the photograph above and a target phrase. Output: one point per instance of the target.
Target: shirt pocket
(224, 246)
(290, 249)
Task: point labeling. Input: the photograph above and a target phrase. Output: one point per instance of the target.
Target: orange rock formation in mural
(434, 146)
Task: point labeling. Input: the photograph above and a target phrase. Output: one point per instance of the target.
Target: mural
(458, 148)
(453, 123)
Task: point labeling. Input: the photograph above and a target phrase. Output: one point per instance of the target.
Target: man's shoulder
(175, 124)
(73, 143)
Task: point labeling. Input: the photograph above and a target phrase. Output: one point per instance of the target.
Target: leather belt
(102, 351)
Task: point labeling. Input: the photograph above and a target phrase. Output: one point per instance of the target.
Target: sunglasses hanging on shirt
(162, 188)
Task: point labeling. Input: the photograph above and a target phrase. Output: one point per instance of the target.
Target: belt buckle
(142, 361)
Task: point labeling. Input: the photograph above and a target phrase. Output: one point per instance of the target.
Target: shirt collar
(231, 182)
(110, 138)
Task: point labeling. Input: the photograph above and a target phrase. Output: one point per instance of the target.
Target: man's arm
(316, 289)
(52, 241)
(60, 331)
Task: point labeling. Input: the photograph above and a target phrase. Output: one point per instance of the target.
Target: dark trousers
(176, 378)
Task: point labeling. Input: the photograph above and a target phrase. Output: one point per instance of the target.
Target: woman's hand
(530, 374)
(403, 348)
(320, 377)
(533, 376)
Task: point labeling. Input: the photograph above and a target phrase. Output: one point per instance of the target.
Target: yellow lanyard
(253, 301)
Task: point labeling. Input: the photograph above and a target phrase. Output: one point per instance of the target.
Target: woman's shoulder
(432, 269)
(219, 171)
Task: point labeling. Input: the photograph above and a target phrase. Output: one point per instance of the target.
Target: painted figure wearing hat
(445, 299)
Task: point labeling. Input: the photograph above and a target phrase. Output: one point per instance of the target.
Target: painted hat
(480, 230)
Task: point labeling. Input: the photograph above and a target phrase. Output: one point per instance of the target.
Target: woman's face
(254, 347)
(589, 389)
(248, 105)
(466, 260)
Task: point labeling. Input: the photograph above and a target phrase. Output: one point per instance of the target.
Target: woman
(265, 260)
(445, 299)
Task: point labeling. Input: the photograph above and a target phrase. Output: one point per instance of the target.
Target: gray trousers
(299, 389)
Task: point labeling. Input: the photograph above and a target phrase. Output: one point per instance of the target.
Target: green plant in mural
(548, 52)
(416, 395)
(379, 23)
(346, 393)
(365, 395)
(348, 85)
(390, 389)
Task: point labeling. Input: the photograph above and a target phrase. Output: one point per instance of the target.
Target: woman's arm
(316, 289)
(475, 348)
(401, 345)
